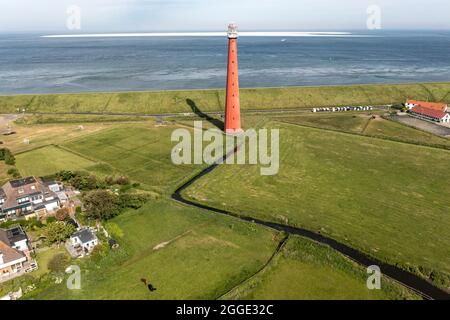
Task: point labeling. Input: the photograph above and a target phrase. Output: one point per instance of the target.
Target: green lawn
(213, 100)
(387, 128)
(141, 152)
(49, 160)
(364, 124)
(204, 256)
(304, 270)
(43, 258)
(386, 198)
(348, 122)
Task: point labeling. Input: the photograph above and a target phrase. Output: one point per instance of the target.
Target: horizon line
(204, 34)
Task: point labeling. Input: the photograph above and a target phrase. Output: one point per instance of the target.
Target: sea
(32, 64)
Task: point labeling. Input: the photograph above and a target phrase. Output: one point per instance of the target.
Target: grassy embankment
(365, 124)
(213, 100)
(319, 271)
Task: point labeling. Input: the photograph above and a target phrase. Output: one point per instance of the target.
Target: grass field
(50, 119)
(44, 257)
(347, 122)
(364, 124)
(43, 135)
(189, 254)
(49, 160)
(213, 100)
(141, 152)
(385, 198)
(304, 270)
(200, 256)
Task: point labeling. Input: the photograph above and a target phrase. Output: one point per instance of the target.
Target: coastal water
(31, 64)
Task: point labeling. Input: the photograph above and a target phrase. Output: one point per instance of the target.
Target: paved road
(184, 114)
(423, 125)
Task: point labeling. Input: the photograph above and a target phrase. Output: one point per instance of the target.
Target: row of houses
(429, 111)
(15, 253)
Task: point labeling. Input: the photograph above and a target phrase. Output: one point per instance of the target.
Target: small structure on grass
(113, 244)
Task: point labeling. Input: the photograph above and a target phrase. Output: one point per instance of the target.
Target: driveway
(423, 125)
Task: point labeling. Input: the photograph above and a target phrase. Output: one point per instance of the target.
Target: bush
(114, 230)
(2, 153)
(109, 180)
(57, 232)
(99, 252)
(6, 154)
(65, 176)
(58, 263)
(133, 201)
(62, 214)
(80, 180)
(50, 220)
(121, 180)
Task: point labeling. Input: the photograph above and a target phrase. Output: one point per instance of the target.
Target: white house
(83, 242)
(14, 252)
(430, 115)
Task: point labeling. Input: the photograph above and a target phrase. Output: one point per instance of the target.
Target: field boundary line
(278, 250)
(418, 284)
(443, 148)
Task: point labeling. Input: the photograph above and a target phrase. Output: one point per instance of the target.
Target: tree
(62, 214)
(57, 232)
(65, 175)
(101, 204)
(6, 154)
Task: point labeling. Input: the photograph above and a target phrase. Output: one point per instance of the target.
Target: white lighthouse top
(232, 31)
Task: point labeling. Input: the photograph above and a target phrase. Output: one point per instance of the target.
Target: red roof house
(430, 114)
(429, 105)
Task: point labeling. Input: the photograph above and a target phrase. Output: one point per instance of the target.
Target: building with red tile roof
(429, 105)
(430, 114)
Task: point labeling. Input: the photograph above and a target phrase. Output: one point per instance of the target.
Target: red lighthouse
(233, 106)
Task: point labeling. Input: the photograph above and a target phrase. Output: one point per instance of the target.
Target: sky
(214, 15)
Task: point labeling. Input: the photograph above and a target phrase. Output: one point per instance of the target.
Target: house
(430, 114)
(15, 254)
(83, 242)
(28, 197)
(410, 104)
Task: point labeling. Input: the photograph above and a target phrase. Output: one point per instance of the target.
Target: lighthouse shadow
(216, 122)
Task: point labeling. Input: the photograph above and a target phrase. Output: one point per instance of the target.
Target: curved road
(409, 280)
